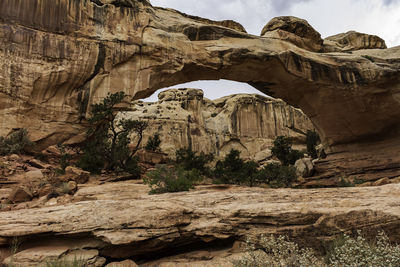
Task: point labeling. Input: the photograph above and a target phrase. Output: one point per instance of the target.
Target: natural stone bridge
(61, 55)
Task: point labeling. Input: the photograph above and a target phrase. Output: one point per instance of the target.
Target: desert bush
(234, 170)
(345, 251)
(312, 139)
(358, 251)
(277, 175)
(107, 139)
(15, 143)
(153, 144)
(188, 160)
(63, 262)
(64, 159)
(282, 149)
(171, 179)
(276, 251)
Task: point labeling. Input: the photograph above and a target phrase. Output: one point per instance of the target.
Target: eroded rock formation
(60, 56)
(248, 123)
(117, 221)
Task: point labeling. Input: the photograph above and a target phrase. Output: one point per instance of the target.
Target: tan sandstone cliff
(248, 123)
(60, 56)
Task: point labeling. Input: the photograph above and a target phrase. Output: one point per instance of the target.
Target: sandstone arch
(59, 56)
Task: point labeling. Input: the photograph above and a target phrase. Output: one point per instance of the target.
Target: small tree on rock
(108, 139)
(153, 144)
(282, 149)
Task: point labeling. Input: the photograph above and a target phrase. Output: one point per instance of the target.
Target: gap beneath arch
(212, 89)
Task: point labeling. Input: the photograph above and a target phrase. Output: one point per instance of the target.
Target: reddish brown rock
(75, 174)
(20, 194)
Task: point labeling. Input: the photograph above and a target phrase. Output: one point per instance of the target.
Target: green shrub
(312, 139)
(345, 251)
(170, 179)
(63, 262)
(107, 140)
(64, 159)
(188, 160)
(369, 58)
(276, 251)
(15, 143)
(153, 144)
(277, 175)
(360, 252)
(282, 149)
(234, 170)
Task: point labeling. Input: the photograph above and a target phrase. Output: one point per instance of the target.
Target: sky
(328, 17)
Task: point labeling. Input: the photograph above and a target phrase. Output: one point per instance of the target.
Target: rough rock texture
(248, 123)
(59, 56)
(118, 221)
(351, 41)
(294, 30)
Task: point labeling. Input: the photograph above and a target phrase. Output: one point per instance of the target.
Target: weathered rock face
(351, 41)
(294, 30)
(60, 56)
(118, 221)
(248, 123)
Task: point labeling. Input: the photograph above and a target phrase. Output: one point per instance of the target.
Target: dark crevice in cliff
(190, 244)
(84, 91)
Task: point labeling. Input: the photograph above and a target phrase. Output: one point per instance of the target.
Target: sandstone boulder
(352, 40)
(151, 157)
(125, 263)
(294, 30)
(48, 255)
(75, 174)
(20, 194)
(381, 182)
(33, 175)
(304, 167)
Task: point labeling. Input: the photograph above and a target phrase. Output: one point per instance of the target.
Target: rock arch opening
(212, 89)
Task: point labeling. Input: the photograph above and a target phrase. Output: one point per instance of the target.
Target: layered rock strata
(117, 221)
(60, 56)
(249, 123)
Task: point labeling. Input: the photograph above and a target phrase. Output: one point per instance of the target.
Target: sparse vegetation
(282, 149)
(277, 175)
(188, 160)
(107, 139)
(63, 262)
(277, 251)
(16, 143)
(64, 159)
(153, 144)
(369, 58)
(345, 251)
(234, 170)
(171, 179)
(359, 251)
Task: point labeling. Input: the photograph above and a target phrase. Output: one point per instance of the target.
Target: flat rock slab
(122, 221)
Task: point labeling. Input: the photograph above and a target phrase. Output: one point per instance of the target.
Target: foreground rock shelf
(119, 221)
